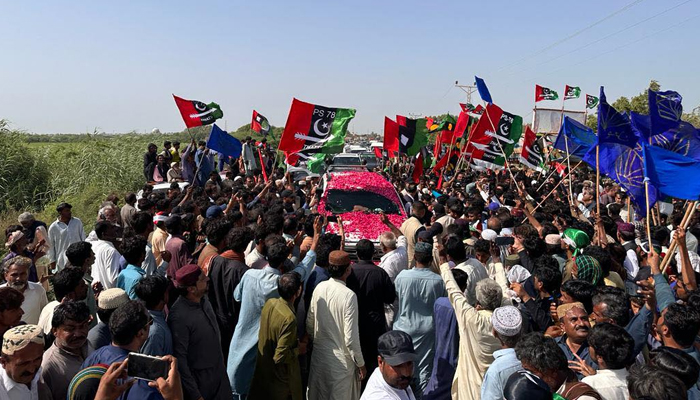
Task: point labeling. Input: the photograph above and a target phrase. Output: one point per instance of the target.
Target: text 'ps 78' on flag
(314, 129)
(196, 113)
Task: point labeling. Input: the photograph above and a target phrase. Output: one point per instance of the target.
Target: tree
(638, 104)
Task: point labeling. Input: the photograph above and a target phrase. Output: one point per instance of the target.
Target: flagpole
(568, 164)
(449, 154)
(689, 211)
(597, 182)
(555, 187)
(552, 173)
(505, 158)
(629, 208)
(648, 222)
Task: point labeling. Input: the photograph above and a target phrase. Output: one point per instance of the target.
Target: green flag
(510, 128)
(572, 92)
(591, 101)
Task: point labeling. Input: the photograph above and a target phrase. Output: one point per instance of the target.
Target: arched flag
(313, 129)
(196, 113)
(260, 124)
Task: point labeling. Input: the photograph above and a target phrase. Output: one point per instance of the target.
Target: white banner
(548, 121)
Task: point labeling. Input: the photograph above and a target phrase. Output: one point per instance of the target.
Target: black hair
(523, 385)
(130, 198)
(482, 246)
(217, 230)
(144, 204)
(337, 271)
(76, 311)
(534, 246)
(549, 277)
(288, 285)
(541, 353)
(78, 252)
(101, 228)
(134, 250)
(653, 383)
(613, 344)
(423, 258)
(455, 249)
(461, 278)
(683, 323)
(418, 206)
(581, 291)
(677, 363)
(141, 221)
(151, 290)
(365, 250)
(617, 302)
(601, 255)
(238, 238)
(10, 299)
(277, 253)
(126, 322)
(66, 281)
(326, 243)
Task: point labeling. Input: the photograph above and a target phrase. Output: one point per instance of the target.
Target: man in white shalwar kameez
(337, 366)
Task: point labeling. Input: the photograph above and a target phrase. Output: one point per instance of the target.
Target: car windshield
(368, 156)
(346, 161)
(342, 201)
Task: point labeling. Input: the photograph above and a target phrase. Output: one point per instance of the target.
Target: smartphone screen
(148, 368)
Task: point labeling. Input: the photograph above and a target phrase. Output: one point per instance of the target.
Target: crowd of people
(499, 284)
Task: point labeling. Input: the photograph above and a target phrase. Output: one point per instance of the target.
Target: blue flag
(224, 143)
(483, 90)
(580, 137)
(620, 153)
(665, 111)
(641, 126)
(613, 126)
(672, 173)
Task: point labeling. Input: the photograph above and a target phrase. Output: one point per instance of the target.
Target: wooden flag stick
(690, 210)
(597, 182)
(554, 170)
(629, 209)
(648, 222)
(555, 187)
(568, 165)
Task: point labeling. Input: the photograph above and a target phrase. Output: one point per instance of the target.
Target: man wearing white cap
(22, 351)
(109, 300)
(507, 323)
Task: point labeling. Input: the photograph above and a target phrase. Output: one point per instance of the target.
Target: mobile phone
(504, 241)
(332, 218)
(148, 368)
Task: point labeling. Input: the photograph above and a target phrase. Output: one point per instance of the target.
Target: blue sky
(69, 67)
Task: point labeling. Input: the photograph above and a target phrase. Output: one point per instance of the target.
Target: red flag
(378, 152)
(401, 120)
(391, 135)
(438, 143)
(196, 113)
(298, 121)
(259, 123)
(483, 133)
(418, 168)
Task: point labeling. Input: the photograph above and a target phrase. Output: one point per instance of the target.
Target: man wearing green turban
(575, 240)
(587, 268)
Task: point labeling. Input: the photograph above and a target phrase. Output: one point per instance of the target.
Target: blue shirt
(128, 278)
(108, 355)
(417, 290)
(446, 351)
(255, 288)
(160, 339)
(582, 352)
(505, 363)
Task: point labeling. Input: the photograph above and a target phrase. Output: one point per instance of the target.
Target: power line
(603, 38)
(573, 35)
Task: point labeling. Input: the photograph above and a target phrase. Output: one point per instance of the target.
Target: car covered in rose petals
(358, 198)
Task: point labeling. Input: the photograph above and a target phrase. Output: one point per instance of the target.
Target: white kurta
(106, 266)
(61, 236)
(476, 342)
(332, 324)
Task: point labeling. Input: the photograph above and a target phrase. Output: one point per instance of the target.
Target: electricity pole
(468, 89)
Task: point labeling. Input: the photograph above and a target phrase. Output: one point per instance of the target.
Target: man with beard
(10, 308)
(196, 338)
(70, 325)
(22, 350)
(393, 376)
(16, 272)
(574, 320)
